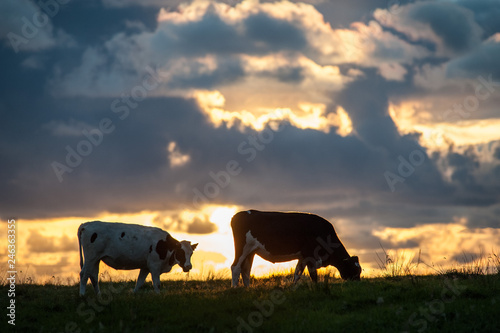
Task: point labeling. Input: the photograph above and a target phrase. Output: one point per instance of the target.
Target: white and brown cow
(130, 246)
(279, 237)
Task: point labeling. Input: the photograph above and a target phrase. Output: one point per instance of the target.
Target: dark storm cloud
(315, 160)
(208, 35)
(288, 74)
(229, 69)
(482, 61)
(484, 218)
(486, 13)
(454, 24)
(91, 23)
(340, 13)
(463, 166)
(422, 184)
(260, 34)
(472, 188)
(366, 101)
(367, 104)
(27, 27)
(392, 213)
(443, 29)
(130, 157)
(274, 33)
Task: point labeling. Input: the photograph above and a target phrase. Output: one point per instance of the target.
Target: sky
(381, 116)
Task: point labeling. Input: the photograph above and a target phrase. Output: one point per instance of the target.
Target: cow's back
(120, 245)
(281, 233)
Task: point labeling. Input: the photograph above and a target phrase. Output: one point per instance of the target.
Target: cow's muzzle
(187, 268)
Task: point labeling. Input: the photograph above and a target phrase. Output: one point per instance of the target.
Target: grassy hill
(452, 302)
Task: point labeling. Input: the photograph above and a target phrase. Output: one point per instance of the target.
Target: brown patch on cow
(172, 243)
(169, 244)
(123, 235)
(94, 236)
(161, 249)
(171, 260)
(180, 255)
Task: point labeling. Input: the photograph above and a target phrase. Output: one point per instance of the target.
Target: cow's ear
(194, 246)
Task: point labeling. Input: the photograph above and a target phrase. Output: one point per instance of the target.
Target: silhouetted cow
(130, 246)
(279, 237)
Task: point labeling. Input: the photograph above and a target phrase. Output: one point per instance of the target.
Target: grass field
(456, 301)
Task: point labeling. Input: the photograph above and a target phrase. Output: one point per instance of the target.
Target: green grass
(437, 303)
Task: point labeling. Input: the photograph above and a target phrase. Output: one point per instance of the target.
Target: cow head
(183, 253)
(350, 269)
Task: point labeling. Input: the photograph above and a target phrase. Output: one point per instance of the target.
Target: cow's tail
(80, 230)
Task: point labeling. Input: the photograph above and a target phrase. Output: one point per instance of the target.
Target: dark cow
(130, 246)
(279, 237)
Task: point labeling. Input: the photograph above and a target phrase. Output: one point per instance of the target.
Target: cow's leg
(143, 274)
(235, 274)
(89, 270)
(236, 266)
(155, 276)
(299, 270)
(84, 277)
(94, 277)
(313, 273)
(245, 269)
(242, 252)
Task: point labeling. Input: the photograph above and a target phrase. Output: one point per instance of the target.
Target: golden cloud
(440, 242)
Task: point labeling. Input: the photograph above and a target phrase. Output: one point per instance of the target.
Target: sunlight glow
(221, 216)
(467, 132)
(344, 122)
(416, 117)
(176, 157)
(306, 115)
(441, 243)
